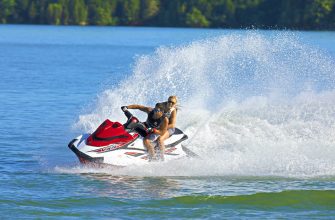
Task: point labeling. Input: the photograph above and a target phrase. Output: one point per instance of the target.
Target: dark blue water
(52, 76)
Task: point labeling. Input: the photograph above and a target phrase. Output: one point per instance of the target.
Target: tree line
(292, 14)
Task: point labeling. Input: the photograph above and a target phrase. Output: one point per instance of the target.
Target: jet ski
(121, 145)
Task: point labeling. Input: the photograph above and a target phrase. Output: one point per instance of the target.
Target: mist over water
(251, 105)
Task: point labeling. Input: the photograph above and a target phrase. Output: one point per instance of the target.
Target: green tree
(101, 12)
(317, 13)
(79, 12)
(297, 14)
(222, 13)
(6, 9)
(149, 9)
(32, 12)
(292, 13)
(103, 16)
(172, 13)
(246, 12)
(131, 11)
(54, 13)
(196, 19)
(65, 17)
(20, 13)
(42, 13)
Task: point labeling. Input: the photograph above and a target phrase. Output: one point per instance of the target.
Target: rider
(170, 111)
(156, 123)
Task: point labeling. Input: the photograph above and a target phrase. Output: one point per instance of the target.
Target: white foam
(251, 105)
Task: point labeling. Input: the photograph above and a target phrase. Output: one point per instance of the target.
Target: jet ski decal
(112, 147)
(134, 154)
(108, 148)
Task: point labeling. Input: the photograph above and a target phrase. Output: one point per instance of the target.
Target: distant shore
(230, 14)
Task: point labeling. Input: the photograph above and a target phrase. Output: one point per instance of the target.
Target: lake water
(258, 107)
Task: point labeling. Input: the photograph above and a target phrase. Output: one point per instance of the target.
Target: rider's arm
(140, 107)
(163, 128)
(173, 119)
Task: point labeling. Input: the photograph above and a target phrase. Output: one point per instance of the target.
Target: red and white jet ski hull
(112, 144)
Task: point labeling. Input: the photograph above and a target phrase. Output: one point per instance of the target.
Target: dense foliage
(296, 14)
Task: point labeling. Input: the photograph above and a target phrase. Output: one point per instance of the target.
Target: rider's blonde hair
(174, 98)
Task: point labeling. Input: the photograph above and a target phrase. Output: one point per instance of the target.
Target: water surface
(257, 105)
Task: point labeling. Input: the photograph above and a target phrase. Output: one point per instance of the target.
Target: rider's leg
(161, 140)
(150, 148)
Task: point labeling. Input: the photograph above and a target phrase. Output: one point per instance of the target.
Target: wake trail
(253, 104)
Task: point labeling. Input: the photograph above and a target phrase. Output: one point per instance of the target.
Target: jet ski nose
(84, 158)
(70, 145)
